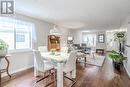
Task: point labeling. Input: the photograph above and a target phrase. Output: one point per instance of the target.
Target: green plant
(3, 45)
(115, 56)
(53, 50)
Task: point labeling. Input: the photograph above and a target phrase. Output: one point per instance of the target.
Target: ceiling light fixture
(55, 31)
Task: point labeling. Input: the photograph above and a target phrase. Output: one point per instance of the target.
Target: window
(16, 33)
(101, 38)
(89, 39)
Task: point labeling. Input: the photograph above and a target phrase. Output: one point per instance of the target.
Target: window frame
(30, 36)
(101, 40)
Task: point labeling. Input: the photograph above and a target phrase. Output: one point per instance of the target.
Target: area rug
(96, 60)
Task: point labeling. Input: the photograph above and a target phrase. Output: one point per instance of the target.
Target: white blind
(17, 33)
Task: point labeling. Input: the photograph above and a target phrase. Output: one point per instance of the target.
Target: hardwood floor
(87, 76)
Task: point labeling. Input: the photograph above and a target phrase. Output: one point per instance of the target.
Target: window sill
(20, 51)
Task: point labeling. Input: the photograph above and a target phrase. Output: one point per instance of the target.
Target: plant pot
(3, 52)
(117, 65)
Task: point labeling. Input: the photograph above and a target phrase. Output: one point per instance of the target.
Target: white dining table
(59, 58)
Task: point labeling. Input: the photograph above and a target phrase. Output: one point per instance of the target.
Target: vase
(3, 52)
(117, 65)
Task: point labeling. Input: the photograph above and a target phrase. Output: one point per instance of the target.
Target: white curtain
(89, 39)
(34, 38)
(110, 42)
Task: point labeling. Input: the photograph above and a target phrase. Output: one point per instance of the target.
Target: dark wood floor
(89, 76)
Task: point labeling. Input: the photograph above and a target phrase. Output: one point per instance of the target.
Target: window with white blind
(89, 39)
(17, 33)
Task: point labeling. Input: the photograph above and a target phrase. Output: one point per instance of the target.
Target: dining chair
(42, 66)
(70, 66)
(42, 49)
(64, 49)
(81, 56)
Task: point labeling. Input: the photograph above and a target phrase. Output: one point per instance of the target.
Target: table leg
(7, 68)
(60, 75)
(93, 56)
(35, 72)
(85, 61)
(74, 72)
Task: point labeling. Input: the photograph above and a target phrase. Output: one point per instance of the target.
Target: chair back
(64, 49)
(83, 44)
(71, 62)
(39, 64)
(42, 49)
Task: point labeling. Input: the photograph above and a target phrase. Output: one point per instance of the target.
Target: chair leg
(42, 78)
(46, 77)
(73, 80)
(54, 74)
(49, 84)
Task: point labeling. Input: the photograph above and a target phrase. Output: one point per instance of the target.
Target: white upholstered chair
(42, 49)
(70, 66)
(41, 66)
(80, 56)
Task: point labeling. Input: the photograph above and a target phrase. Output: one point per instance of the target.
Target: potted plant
(3, 48)
(117, 59)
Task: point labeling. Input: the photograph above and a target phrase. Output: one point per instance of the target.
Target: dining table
(59, 58)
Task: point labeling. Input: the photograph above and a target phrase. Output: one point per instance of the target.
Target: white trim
(20, 51)
(18, 70)
(127, 71)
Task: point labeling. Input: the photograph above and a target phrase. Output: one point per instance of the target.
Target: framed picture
(101, 38)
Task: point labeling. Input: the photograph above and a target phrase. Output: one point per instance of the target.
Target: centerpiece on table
(3, 48)
(53, 51)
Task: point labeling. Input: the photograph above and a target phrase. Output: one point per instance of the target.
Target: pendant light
(55, 31)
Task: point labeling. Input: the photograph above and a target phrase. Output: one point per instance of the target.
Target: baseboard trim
(18, 70)
(127, 71)
(17, 73)
(22, 69)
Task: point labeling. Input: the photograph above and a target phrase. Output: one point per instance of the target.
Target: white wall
(128, 34)
(24, 59)
(126, 24)
(64, 35)
(19, 61)
(77, 34)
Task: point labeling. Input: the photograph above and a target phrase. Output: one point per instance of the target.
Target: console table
(7, 67)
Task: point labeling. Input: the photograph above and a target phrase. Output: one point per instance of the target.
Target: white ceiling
(75, 14)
